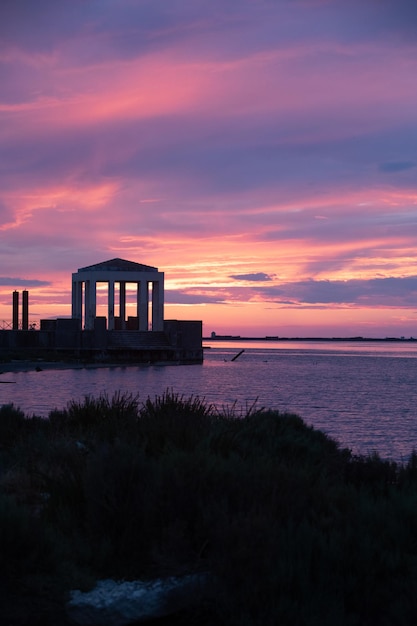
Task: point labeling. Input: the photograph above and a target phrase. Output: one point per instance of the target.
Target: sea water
(363, 394)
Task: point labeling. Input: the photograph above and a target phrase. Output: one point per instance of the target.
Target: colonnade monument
(150, 288)
(146, 337)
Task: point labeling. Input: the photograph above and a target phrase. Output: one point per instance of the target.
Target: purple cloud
(377, 292)
(373, 292)
(258, 276)
(176, 296)
(396, 166)
(6, 281)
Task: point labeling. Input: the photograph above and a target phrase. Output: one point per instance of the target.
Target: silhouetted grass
(294, 529)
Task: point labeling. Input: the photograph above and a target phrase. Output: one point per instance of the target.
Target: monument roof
(118, 265)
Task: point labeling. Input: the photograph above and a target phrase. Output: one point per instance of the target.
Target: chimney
(15, 325)
(25, 310)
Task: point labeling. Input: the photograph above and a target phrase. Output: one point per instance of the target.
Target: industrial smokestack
(25, 310)
(15, 310)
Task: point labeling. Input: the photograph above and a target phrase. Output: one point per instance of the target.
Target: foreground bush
(293, 529)
(32, 572)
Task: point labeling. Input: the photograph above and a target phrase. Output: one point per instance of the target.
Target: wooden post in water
(237, 355)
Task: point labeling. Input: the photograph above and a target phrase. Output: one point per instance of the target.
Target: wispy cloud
(377, 292)
(258, 276)
(397, 166)
(7, 281)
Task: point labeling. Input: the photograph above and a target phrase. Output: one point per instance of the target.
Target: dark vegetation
(293, 529)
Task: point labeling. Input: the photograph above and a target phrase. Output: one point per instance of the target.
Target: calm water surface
(362, 394)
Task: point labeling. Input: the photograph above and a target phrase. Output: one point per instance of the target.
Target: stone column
(143, 305)
(110, 305)
(158, 305)
(90, 303)
(122, 305)
(77, 299)
(138, 303)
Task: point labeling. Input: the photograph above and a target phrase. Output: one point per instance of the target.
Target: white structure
(84, 283)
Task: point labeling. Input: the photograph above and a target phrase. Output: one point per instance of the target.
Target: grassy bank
(294, 529)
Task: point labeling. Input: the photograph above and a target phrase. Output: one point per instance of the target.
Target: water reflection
(366, 402)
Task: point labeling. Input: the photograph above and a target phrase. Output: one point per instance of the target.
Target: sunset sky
(261, 153)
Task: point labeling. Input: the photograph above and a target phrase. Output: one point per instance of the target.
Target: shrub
(12, 424)
(101, 418)
(171, 420)
(293, 528)
(32, 587)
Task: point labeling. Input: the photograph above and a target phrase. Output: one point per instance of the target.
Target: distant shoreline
(330, 339)
(30, 365)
